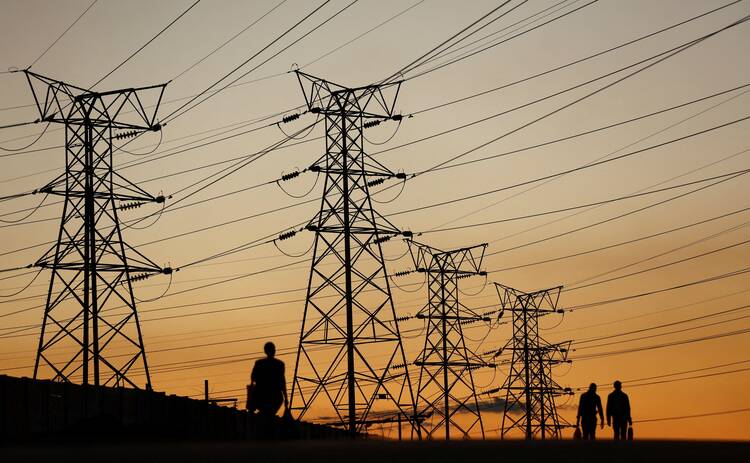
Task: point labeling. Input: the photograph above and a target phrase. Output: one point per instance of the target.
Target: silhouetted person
(267, 390)
(618, 411)
(588, 406)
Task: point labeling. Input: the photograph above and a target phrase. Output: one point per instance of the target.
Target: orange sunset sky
(680, 351)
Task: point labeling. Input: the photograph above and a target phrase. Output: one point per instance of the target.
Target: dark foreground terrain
(386, 452)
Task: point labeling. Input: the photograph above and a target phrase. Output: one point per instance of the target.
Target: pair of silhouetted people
(267, 389)
(618, 412)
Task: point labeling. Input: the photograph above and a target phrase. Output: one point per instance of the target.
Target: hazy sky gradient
(111, 31)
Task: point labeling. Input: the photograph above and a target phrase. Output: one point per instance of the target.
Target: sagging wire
(481, 339)
(567, 400)
(132, 225)
(295, 174)
(484, 285)
(381, 180)
(11, 150)
(156, 147)
(33, 210)
(419, 333)
(570, 367)
(169, 286)
(160, 199)
(15, 270)
(497, 323)
(294, 117)
(25, 287)
(397, 258)
(286, 236)
(403, 273)
(494, 376)
(562, 318)
(371, 124)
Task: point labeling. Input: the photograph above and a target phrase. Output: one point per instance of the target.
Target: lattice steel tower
(446, 383)
(350, 339)
(90, 328)
(530, 390)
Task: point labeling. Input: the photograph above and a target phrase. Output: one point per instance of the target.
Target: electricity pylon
(90, 309)
(446, 383)
(350, 339)
(530, 390)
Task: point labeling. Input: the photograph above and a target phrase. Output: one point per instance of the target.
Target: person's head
(618, 385)
(270, 349)
(592, 387)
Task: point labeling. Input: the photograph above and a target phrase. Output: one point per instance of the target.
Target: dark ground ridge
(387, 451)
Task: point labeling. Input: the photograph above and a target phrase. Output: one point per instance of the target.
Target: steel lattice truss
(446, 390)
(350, 339)
(530, 390)
(90, 318)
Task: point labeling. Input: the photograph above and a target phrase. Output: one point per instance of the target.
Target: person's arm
(253, 374)
(601, 412)
(609, 410)
(627, 410)
(578, 416)
(283, 386)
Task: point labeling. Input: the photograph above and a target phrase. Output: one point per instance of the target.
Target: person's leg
(616, 428)
(589, 429)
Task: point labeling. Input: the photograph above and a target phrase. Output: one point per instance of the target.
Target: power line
(287, 31)
(728, 175)
(710, 279)
(445, 167)
(528, 19)
(664, 325)
(626, 242)
(667, 333)
(682, 342)
(231, 39)
(700, 415)
(415, 62)
(573, 63)
(658, 267)
(591, 165)
(650, 313)
(614, 218)
(481, 50)
(663, 56)
(661, 254)
(466, 153)
(39, 137)
(378, 26)
(63, 34)
(145, 44)
(639, 383)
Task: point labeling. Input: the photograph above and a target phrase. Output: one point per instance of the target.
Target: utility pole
(530, 390)
(446, 383)
(90, 309)
(350, 340)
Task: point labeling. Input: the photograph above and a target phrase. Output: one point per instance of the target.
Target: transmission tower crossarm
(56, 102)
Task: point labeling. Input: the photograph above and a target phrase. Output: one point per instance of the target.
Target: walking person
(588, 406)
(267, 390)
(618, 411)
